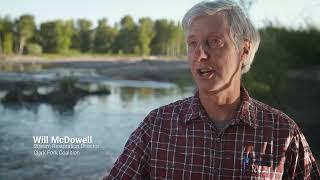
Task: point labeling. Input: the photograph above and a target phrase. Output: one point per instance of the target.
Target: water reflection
(21, 67)
(33, 107)
(129, 94)
(109, 119)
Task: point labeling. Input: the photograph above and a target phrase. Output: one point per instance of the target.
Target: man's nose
(201, 52)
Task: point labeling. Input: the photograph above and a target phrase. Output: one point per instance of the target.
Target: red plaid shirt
(178, 141)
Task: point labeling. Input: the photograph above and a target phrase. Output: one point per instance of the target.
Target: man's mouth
(205, 72)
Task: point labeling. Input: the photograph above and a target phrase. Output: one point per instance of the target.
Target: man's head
(221, 43)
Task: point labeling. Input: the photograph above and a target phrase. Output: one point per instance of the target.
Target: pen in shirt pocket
(245, 161)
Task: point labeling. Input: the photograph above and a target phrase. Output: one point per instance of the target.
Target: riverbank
(50, 58)
(25, 80)
(164, 69)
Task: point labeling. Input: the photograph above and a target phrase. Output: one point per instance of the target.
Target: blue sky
(285, 12)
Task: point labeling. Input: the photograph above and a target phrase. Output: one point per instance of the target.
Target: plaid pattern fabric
(178, 141)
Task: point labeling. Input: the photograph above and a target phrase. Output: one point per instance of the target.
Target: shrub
(268, 74)
(34, 49)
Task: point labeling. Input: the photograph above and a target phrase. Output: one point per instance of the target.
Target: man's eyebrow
(191, 36)
(216, 34)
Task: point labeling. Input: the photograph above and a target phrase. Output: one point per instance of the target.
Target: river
(108, 119)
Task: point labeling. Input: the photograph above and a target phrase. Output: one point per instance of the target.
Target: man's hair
(241, 27)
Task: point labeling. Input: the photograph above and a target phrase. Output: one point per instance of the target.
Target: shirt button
(218, 140)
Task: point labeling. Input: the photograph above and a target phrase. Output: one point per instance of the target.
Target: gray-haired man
(220, 132)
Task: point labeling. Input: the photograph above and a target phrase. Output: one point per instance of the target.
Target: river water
(108, 119)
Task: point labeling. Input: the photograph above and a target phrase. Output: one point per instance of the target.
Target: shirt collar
(247, 111)
(193, 108)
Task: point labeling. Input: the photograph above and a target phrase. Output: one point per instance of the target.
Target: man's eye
(192, 44)
(215, 43)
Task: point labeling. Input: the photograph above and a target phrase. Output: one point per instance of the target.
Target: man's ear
(245, 49)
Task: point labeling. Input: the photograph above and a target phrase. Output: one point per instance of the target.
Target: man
(220, 132)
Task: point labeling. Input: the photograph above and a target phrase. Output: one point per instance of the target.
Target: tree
(6, 34)
(8, 43)
(145, 35)
(25, 29)
(75, 39)
(168, 39)
(104, 37)
(68, 31)
(126, 41)
(176, 44)
(159, 42)
(49, 33)
(85, 34)
(56, 36)
(1, 27)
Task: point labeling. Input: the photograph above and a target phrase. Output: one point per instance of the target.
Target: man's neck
(222, 105)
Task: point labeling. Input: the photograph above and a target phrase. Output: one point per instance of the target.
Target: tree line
(127, 37)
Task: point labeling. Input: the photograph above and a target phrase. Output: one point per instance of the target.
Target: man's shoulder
(164, 115)
(265, 107)
(266, 112)
(173, 107)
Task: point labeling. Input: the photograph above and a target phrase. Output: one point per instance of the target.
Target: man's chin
(213, 87)
(209, 89)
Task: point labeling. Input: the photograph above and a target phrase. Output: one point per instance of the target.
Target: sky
(289, 13)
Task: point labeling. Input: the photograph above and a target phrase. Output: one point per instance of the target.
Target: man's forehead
(213, 24)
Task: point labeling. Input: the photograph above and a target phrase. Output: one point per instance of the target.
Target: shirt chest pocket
(257, 166)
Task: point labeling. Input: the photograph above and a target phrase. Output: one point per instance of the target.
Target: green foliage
(68, 31)
(127, 38)
(145, 35)
(159, 42)
(302, 44)
(6, 35)
(104, 37)
(7, 43)
(56, 36)
(162, 37)
(67, 84)
(280, 50)
(34, 49)
(1, 29)
(6, 25)
(84, 34)
(176, 44)
(268, 74)
(26, 28)
(50, 33)
(168, 39)
(75, 40)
